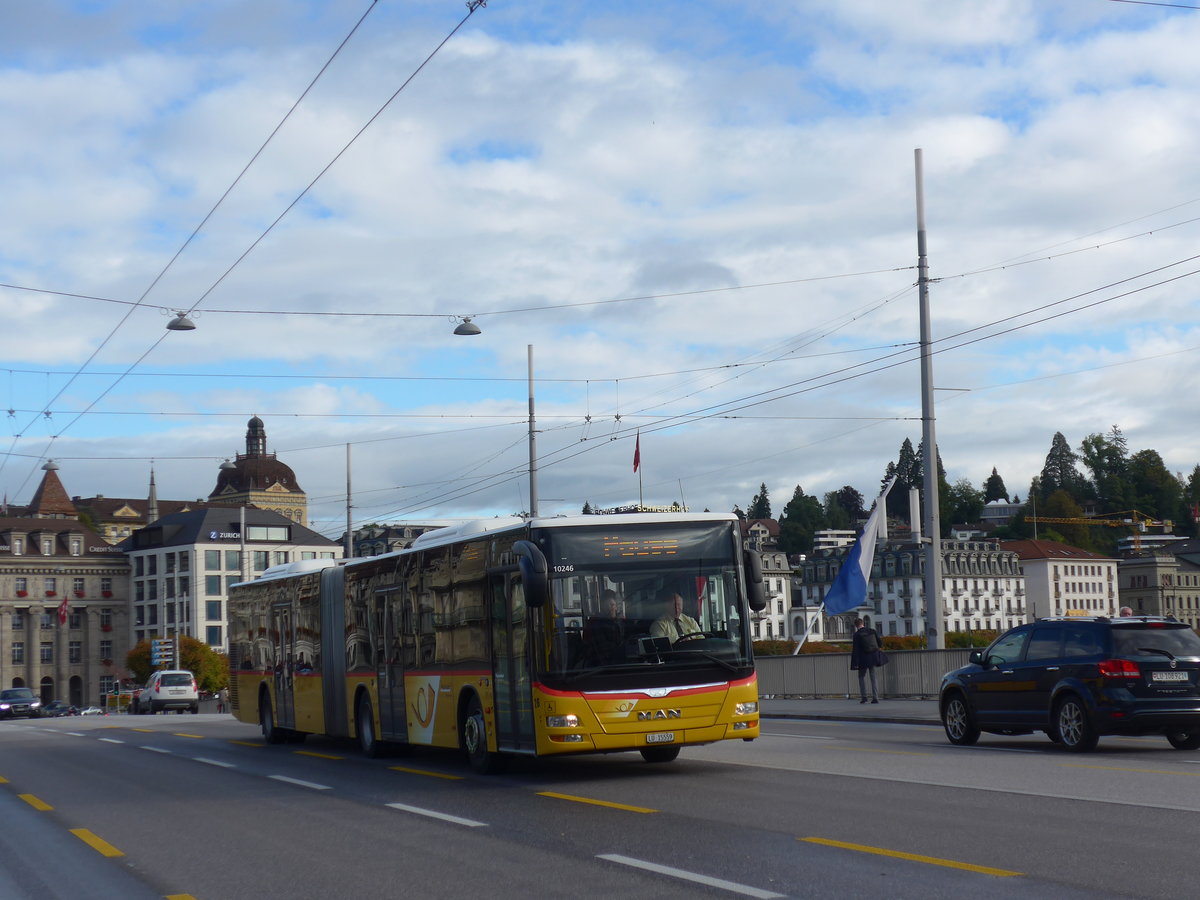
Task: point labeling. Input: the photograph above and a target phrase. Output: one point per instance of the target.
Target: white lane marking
(445, 817)
(215, 762)
(297, 781)
(111, 741)
(154, 749)
(74, 733)
(801, 737)
(733, 886)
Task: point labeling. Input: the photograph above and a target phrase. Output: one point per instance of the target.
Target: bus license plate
(1168, 676)
(661, 737)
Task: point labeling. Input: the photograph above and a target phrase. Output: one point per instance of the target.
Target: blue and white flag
(849, 588)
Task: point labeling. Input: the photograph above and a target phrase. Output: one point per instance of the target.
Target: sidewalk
(907, 712)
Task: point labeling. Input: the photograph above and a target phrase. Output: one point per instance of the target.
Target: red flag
(62, 612)
(637, 452)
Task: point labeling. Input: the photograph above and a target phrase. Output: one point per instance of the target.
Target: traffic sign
(162, 651)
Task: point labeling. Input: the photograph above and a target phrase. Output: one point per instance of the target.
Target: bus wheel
(364, 724)
(475, 741)
(659, 754)
(266, 717)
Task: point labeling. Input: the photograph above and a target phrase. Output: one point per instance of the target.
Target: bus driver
(674, 623)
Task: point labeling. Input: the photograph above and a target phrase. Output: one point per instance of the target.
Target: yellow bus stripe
(914, 857)
(425, 772)
(103, 847)
(35, 802)
(316, 755)
(626, 807)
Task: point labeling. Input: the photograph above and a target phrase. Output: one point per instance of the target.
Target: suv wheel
(957, 720)
(1184, 740)
(1073, 725)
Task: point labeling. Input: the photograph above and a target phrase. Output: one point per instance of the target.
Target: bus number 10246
(564, 568)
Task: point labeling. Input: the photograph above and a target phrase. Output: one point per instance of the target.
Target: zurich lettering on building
(224, 535)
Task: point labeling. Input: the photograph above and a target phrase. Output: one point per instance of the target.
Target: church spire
(152, 501)
(256, 437)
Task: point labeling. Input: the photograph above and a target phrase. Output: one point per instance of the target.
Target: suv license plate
(1168, 676)
(661, 737)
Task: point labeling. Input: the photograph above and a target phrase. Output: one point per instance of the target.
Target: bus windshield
(617, 620)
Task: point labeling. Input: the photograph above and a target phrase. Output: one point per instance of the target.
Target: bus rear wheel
(271, 733)
(364, 724)
(475, 740)
(659, 754)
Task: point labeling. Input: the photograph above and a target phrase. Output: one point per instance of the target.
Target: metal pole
(533, 494)
(935, 639)
(348, 548)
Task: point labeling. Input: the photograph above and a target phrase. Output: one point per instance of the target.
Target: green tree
(760, 506)
(993, 488)
(943, 489)
(1107, 458)
(966, 502)
(1061, 505)
(1059, 473)
(835, 514)
(907, 470)
(737, 511)
(800, 520)
(1156, 492)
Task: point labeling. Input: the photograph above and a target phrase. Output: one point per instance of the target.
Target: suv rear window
(176, 679)
(1135, 640)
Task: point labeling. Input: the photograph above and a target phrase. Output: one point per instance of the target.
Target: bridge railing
(909, 673)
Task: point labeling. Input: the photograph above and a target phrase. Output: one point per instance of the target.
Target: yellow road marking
(179, 897)
(1124, 769)
(636, 809)
(915, 857)
(895, 752)
(317, 755)
(198, 737)
(143, 730)
(3, 780)
(103, 847)
(247, 744)
(426, 772)
(35, 802)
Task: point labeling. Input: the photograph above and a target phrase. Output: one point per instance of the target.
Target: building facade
(1163, 582)
(63, 601)
(184, 564)
(982, 589)
(1061, 580)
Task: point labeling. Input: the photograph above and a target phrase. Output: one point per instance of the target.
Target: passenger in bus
(604, 636)
(674, 623)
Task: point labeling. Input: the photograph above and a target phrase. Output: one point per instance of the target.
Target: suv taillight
(1120, 668)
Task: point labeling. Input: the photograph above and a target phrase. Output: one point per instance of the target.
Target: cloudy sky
(701, 215)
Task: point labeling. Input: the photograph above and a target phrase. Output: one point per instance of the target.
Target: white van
(168, 689)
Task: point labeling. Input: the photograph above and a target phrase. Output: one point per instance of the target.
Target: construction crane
(1138, 522)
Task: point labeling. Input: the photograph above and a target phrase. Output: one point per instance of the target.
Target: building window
(212, 610)
(18, 546)
(213, 635)
(21, 587)
(261, 558)
(212, 560)
(106, 684)
(139, 566)
(279, 557)
(106, 619)
(152, 589)
(47, 546)
(75, 652)
(230, 581)
(106, 649)
(51, 586)
(152, 565)
(106, 585)
(18, 621)
(18, 652)
(77, 585)
(233, 559)
(48, 617)
(75, 620)
(183, 588)
(307, 554)
(47, 652)
(169, 564)
(185, 562)
(170, 613)
(212, 585)
(139, 592)
(76, 546)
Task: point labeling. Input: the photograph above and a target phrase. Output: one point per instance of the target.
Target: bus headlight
(562, 721)
(745, 709)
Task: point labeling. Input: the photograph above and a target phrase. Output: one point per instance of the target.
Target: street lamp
(181, 322)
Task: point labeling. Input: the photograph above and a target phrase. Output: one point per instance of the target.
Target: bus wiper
(723, 662)
(1165, 653)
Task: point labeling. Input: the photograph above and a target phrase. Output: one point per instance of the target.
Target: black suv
(1078, 678)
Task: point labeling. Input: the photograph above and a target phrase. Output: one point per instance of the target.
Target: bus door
(393, 724)
(282, 626)
(511, 665)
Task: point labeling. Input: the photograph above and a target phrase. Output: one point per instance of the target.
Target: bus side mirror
(756, 590)
(534, 573)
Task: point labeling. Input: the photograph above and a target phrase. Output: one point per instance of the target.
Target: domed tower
(257, 478)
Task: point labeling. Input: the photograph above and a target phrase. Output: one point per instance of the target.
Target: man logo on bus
(650, 715)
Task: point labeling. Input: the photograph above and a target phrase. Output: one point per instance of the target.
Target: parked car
(19, 702)
(91, 711)
(57, 708)
(1077, 678)
(167, 690)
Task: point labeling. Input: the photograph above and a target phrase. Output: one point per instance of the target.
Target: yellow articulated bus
(509, 637)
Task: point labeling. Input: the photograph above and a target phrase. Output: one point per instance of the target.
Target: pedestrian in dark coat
(864, 657)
